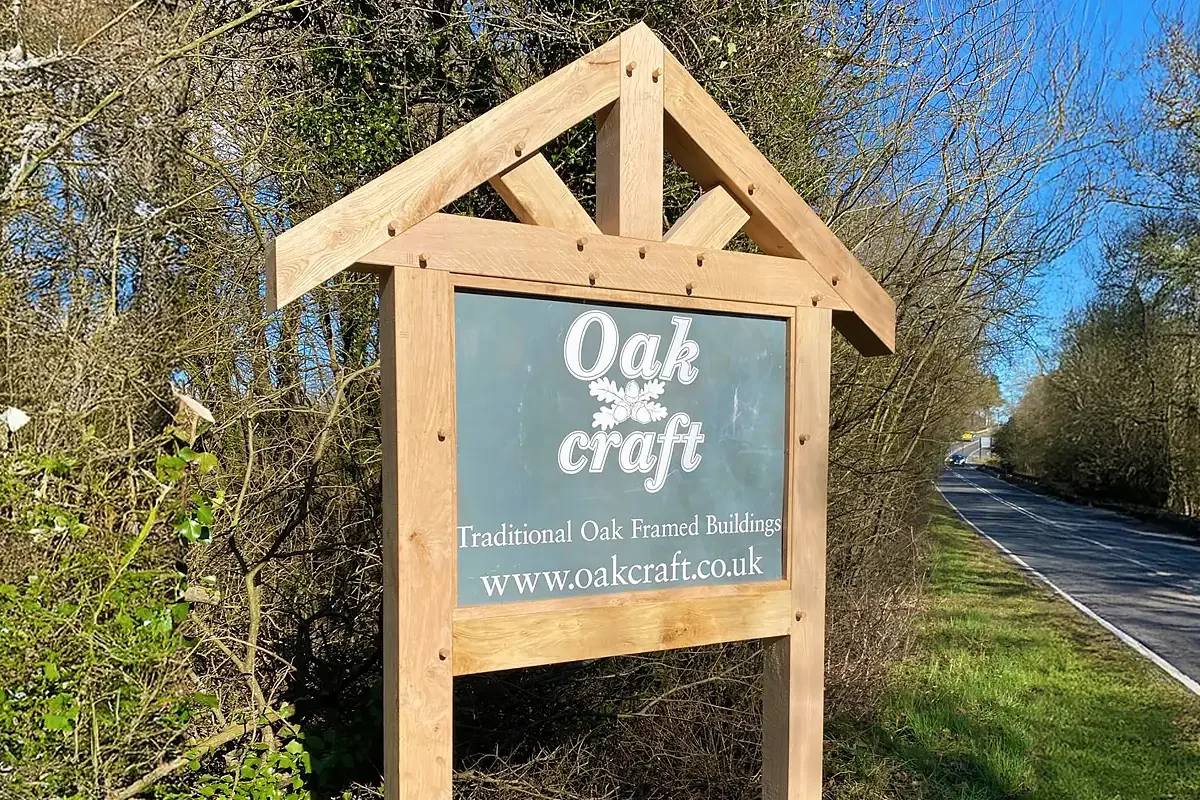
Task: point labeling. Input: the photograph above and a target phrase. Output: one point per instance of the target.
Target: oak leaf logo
(630, 401)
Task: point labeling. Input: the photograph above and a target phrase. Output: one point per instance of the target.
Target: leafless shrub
(152, 150)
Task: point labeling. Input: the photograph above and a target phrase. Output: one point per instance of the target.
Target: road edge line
(1160, 662)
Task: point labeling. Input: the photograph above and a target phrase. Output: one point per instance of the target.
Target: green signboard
(611, 448)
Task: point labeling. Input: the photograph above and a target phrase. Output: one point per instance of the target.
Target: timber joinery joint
(431, 265)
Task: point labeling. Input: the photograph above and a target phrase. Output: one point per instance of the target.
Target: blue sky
(1118, 31)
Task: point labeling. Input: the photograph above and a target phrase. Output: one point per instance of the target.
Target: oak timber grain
(793, 682)
(417, 360)
(335, 237)
(489, 248)
(488, 638)
(600, 295)
(713, 150)
(538, 196)
(711, 221)
(629, 143)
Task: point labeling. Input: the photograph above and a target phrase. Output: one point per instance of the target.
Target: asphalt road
(1140, 581)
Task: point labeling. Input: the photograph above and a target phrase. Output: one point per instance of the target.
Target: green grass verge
(1014, 694)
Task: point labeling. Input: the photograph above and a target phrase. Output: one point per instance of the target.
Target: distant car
(966, 437)
(958, 458)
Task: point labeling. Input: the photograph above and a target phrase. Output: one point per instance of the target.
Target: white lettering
(681, 353)
(643, 441)
(573, 346)
(649, 365)
(565, 462)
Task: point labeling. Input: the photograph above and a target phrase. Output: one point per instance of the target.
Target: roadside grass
(1014, 694)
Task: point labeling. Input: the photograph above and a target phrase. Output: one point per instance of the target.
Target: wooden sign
(606, 449)
(598, 439)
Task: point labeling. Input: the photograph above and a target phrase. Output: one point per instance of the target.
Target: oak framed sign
(598, 439)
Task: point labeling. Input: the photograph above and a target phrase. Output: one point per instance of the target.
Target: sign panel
(606, 449)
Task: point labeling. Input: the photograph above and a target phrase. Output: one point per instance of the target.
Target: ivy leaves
(193, 523)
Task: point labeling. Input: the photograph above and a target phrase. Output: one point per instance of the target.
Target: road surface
(973, 449)
(1140, 581)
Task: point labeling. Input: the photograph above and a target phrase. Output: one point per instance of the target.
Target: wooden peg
(591, 279)
(630, 67)
(751, 188)
(816, 299)
(802, 438)
(580, 242)
(688, 289)
(519, 148)
(392, 228)
(835, 280)
(423, 260)
(655, 75)
(642, 252)
(700, 259)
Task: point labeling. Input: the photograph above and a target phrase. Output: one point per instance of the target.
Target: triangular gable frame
(390, 220)
(644, 102)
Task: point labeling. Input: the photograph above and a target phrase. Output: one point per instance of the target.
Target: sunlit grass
(1014, 694)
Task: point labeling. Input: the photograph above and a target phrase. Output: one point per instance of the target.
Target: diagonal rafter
(713, 150)
(335, 237)
(711, 221)
(640, 106)
(538, 196)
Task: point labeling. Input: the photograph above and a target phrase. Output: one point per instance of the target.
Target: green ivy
(258, 772)
(92, 653)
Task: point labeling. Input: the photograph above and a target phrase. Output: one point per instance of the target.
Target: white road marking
(1166, 666)
(1171, 539)
(1188, 542)
(1060, 525)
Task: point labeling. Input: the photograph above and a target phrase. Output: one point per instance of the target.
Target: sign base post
(416, 342)
(794, 679)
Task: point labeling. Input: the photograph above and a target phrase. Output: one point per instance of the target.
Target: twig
(196, 750)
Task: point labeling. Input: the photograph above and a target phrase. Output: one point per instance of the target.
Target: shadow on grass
(1014, 695)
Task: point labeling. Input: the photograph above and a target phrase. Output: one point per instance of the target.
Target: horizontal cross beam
(475, 246)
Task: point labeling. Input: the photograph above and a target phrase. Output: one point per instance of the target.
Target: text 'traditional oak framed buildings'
(806, 282)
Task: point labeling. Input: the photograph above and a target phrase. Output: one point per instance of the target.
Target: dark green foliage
(136, 262)
(93, 647)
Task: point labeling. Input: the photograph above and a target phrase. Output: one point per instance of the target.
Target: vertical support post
(794, 679)
(629, 143)
(416, 346)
